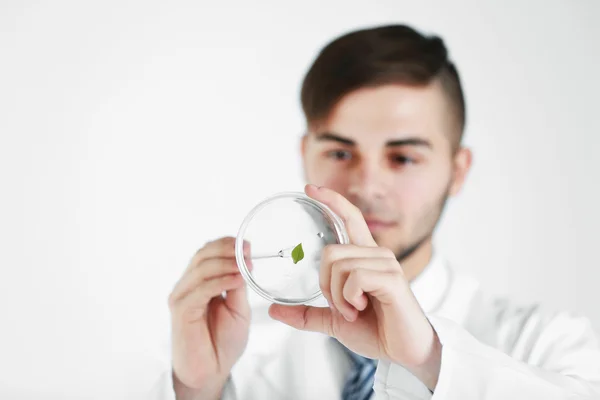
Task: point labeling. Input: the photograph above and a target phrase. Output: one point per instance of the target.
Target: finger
(340, 272)
(248, 256)
(335, 252)
(195, 302)
(382, 285)
(220, 248)
(338, 278)
(306, 318)
(237, 299)
(355, 223)
(207, 270)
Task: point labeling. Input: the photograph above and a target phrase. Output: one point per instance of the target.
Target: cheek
(321, 174)
(335, 181)
(413, 191)
(407, 193)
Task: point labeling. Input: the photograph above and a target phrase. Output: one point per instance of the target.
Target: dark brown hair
(378, 56)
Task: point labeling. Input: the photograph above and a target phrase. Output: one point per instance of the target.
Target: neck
(416, 262)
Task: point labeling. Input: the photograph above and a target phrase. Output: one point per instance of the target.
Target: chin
(390, 241)
(383, 241)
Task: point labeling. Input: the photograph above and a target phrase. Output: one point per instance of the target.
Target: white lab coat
(492, 350)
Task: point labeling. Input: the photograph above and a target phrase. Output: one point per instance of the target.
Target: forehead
(372, 116)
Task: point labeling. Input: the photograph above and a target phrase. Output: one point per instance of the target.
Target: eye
(340, 155)
(403, 160)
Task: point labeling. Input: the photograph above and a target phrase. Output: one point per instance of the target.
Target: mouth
(377, 225)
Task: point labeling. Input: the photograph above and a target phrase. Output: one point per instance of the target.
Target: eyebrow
(332, 137)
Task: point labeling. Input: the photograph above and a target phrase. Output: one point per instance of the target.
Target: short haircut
(391, 54)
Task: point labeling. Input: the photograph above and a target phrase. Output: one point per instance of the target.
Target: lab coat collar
(431, 285)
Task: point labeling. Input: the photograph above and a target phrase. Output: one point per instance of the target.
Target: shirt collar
(431, 285)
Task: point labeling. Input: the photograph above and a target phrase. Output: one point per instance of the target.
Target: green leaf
(297, 253)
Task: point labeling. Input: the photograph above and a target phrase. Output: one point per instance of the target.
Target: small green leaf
(297, 253)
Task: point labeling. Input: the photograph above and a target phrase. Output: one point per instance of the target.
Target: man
(385, 116)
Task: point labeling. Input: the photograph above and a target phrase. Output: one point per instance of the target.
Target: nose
(369, 180)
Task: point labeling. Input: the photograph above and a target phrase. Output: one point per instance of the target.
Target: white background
(132, 133)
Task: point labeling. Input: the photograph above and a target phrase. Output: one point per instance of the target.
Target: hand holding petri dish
(287, 233)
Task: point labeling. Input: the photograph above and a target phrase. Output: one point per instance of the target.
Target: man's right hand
(209, 332)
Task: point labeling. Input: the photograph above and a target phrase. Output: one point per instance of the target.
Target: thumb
(237, 299)
(305, 318)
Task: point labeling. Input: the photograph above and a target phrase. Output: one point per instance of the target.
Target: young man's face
(388, 150)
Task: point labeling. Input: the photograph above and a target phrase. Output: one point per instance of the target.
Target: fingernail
(352, 317)
(347, 317)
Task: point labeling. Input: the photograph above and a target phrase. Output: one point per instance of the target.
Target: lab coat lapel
(311, 368)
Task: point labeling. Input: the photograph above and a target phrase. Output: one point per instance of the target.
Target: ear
(303, 144)
(303, 149)
(461, 165)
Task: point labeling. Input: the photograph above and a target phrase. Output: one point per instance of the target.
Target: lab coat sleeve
(566, 365)
(163, 390)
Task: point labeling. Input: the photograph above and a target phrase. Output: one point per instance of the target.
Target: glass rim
(335, 221)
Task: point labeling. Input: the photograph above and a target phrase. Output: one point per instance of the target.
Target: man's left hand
(372, 310)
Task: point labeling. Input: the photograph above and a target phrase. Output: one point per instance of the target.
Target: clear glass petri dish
(287, 233)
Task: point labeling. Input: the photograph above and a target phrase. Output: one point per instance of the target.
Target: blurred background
(131, 133)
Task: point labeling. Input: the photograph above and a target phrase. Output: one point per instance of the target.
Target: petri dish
(287, 233)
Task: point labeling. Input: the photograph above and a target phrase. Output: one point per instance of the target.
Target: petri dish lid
(287, 233)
